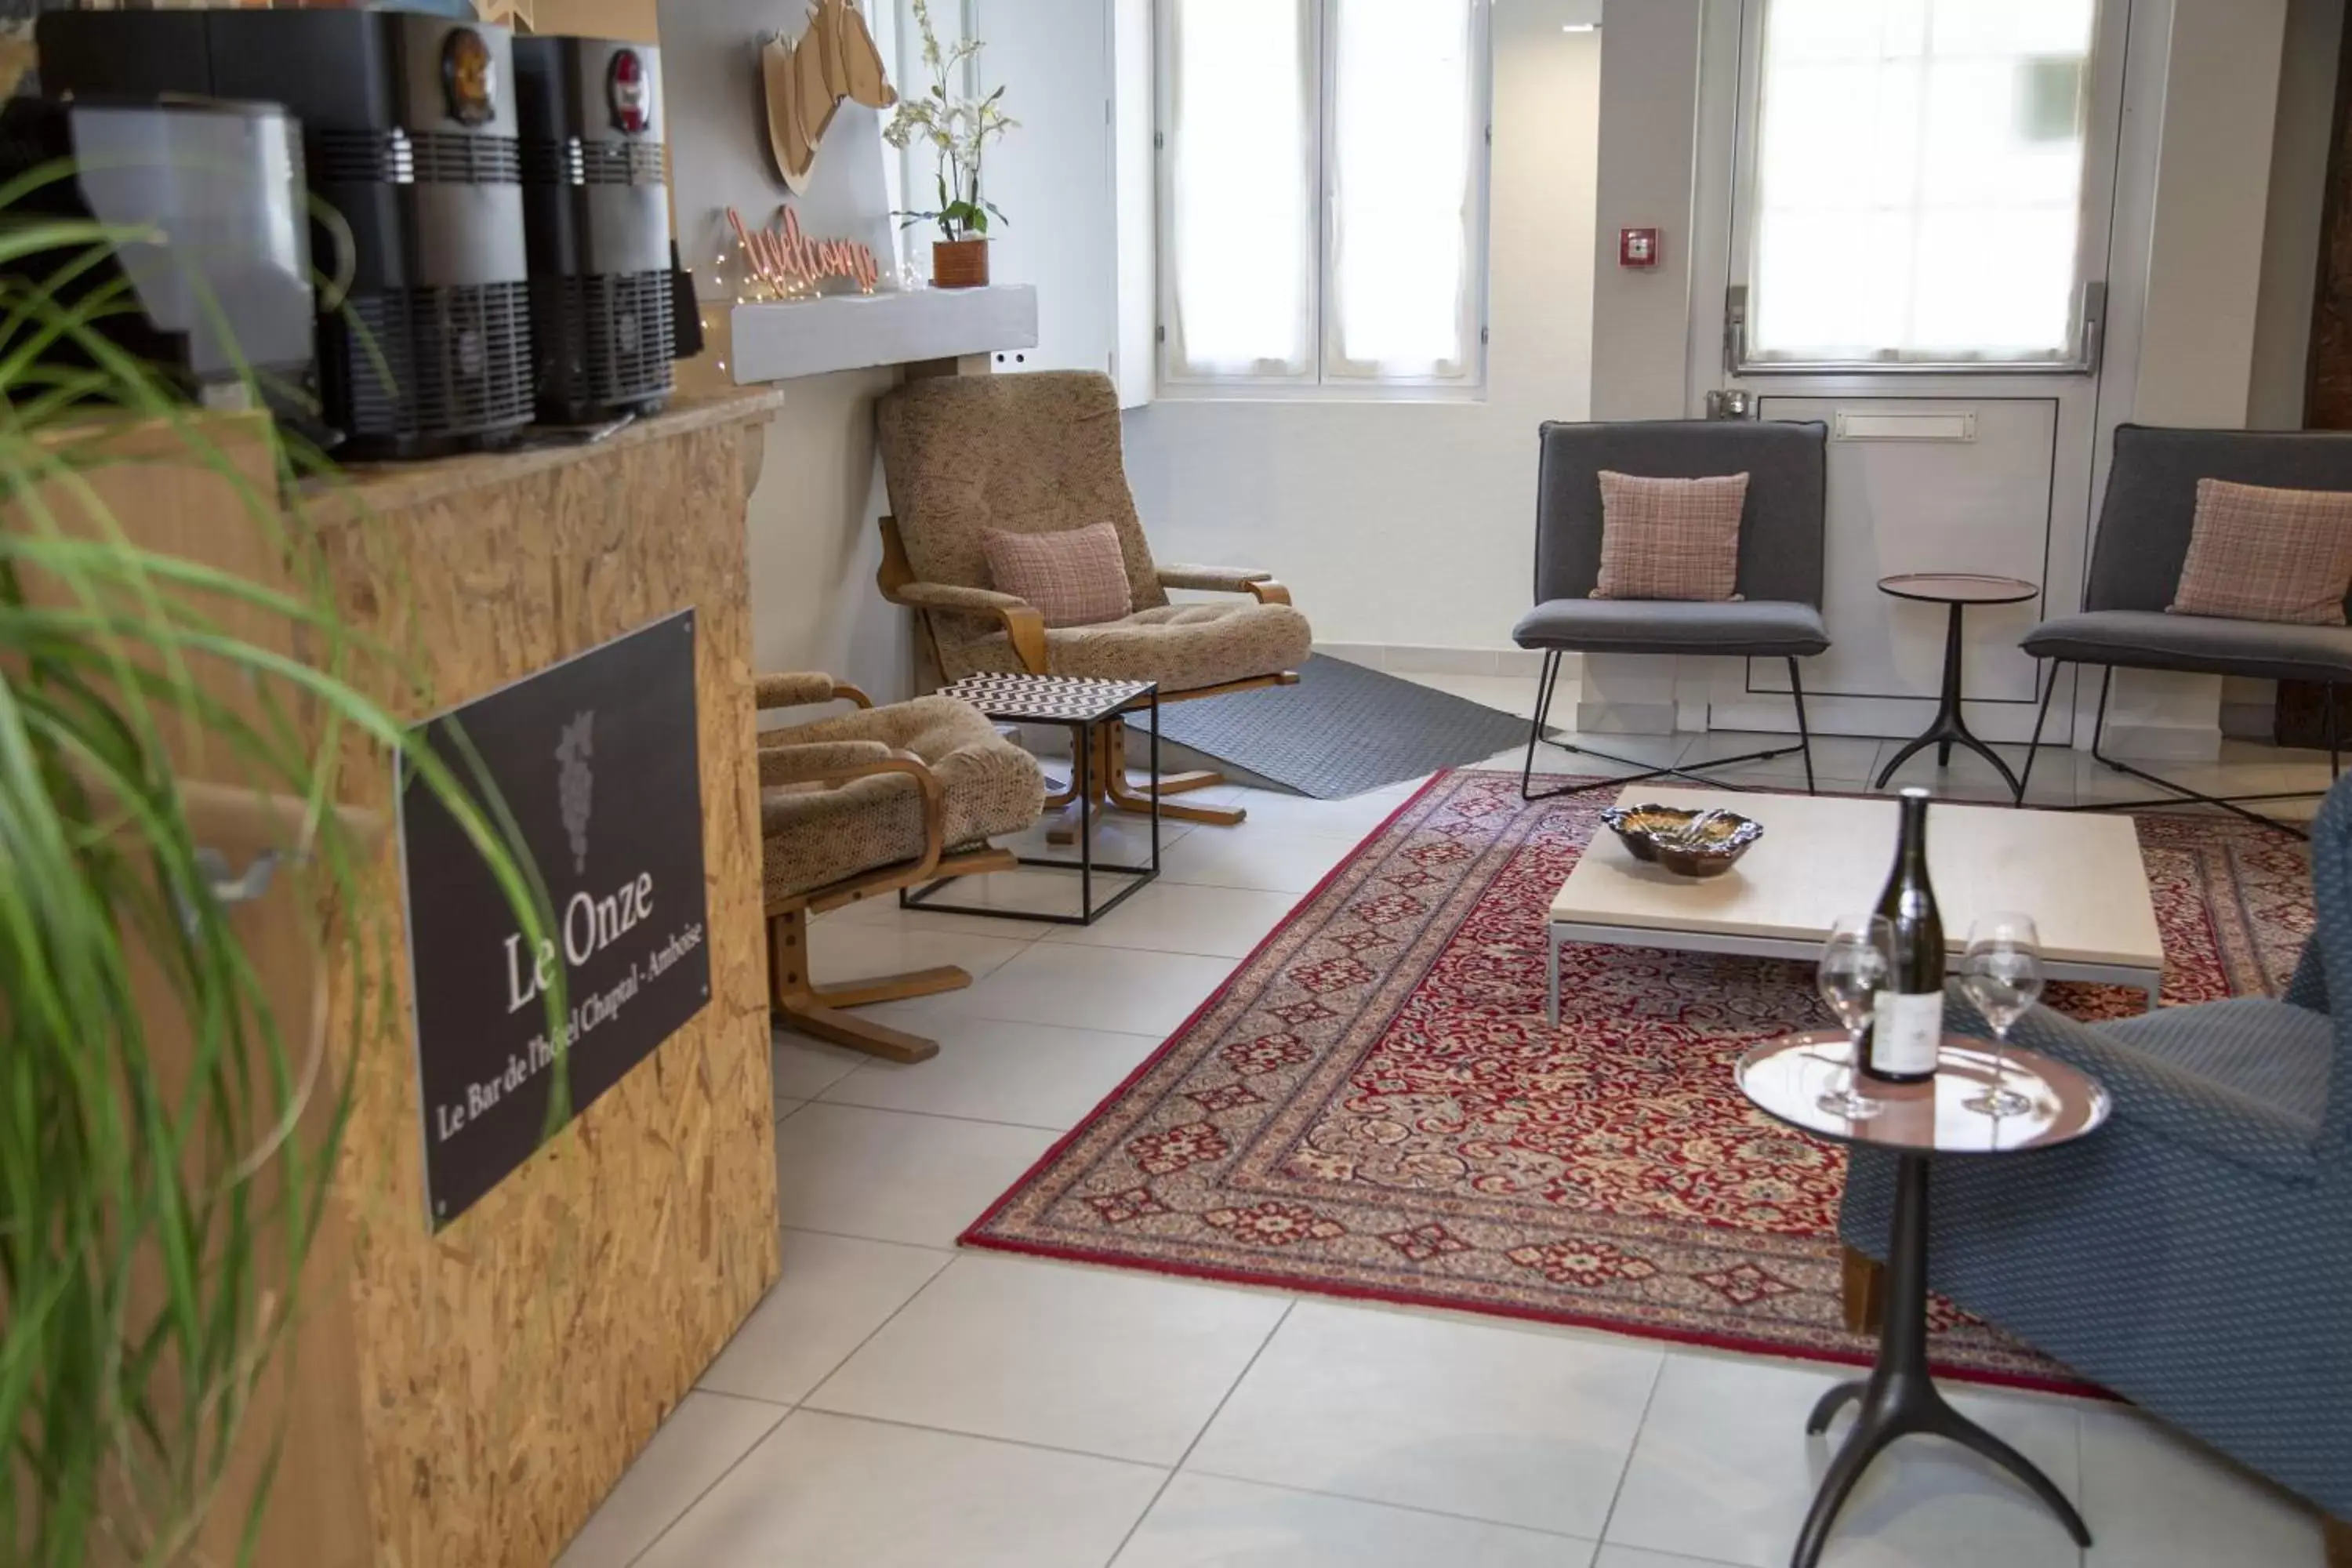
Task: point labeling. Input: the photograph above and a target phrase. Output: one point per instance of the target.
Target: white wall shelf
(856, 331)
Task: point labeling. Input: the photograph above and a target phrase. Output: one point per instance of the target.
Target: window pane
(1240, 150)
(1919, 179)
(1404, 128)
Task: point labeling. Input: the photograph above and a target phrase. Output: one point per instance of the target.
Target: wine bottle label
(1905, 1032)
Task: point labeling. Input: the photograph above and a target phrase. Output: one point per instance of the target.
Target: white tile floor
(894, 1402)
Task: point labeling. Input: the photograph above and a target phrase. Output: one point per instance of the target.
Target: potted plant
(167, 1139)
(959, 127)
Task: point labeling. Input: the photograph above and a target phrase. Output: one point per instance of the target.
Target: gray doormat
(1342, 729)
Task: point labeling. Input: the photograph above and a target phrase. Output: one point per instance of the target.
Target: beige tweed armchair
(871, 801)
(1039, 454)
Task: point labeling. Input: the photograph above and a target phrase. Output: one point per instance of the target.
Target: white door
(1905, 215)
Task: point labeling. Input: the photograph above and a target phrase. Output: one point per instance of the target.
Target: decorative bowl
(1665, 835)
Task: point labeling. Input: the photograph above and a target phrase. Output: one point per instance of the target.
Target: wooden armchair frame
(1025, 629)
(793, 995)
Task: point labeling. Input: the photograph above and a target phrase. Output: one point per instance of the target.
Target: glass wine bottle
(1908, 1025)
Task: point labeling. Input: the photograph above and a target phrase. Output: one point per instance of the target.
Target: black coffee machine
(223, 295)
(410, 135)
(596, 215)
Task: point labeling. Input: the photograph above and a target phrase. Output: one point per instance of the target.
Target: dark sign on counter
(595, 759)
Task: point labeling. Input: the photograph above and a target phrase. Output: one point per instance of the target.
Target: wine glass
(1857, 962)
(2001, 973)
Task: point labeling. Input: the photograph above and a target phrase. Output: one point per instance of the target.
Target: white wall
(1648, 118)
(2302, 134)
(814, 543)
(2200, 247)
(1412, 523)
(2213, 191)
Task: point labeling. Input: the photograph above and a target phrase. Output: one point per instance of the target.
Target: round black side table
(1918, 1122)
(1958, 590)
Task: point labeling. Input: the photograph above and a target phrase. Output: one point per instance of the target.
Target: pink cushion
(1072, 579)
(2260, 555)
(1670, 538)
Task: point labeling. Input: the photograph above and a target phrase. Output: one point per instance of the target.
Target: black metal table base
(1950, 729)
(1088, 912)
(1082, 753)
(1898, 1399)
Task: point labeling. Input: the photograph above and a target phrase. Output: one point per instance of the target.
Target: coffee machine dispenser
(410, 135)
(596, 217)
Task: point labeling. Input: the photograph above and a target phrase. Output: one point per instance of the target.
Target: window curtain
(1241, 189)
(1403, 124)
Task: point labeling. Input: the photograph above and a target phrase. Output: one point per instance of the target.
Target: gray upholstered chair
(1778, 614)
(2143, 538)
(2193, 1254)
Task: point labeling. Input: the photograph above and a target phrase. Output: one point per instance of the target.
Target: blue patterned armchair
(2194, 1256)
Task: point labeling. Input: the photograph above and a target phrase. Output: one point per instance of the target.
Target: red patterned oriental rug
(1374, 1106)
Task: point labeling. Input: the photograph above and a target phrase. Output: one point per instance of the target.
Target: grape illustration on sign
(575, 785)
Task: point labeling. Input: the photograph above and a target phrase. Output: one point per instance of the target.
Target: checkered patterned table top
(1046, 699)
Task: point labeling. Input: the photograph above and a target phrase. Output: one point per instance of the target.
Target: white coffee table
(1822, 857)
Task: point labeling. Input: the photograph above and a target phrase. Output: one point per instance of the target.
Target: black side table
(1079, 704)
(1919, 1122)
(1958, 590)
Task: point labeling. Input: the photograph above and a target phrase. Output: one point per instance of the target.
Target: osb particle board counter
(512, 1365)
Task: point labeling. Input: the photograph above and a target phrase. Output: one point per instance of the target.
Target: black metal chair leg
(1536, 726)
(2334, 751)
(2181, 792)
(1544, 683)
(2040, 718)
(1548, 694)
(2099, 724)
(1805, 735)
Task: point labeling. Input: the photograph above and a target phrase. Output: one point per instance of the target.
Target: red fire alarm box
(1637, 247)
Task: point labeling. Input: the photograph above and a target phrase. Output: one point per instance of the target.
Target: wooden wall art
(834, 58)
(792, 266)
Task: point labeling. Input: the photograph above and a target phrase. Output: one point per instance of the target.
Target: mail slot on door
(1950, 425)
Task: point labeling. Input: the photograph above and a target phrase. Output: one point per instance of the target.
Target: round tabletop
(1958, 588)
(1787, 1077)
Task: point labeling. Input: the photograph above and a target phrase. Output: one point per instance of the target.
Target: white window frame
(2102, 98)
(1323, 380)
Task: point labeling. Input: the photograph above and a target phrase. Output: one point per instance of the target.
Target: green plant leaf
(165, 1140)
